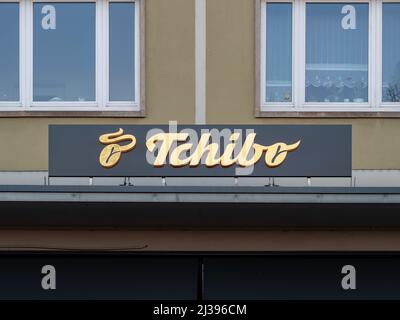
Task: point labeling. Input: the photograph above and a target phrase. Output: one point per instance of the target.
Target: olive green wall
(170, 85)
(231, 87)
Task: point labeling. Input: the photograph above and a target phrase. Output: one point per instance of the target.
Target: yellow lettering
(249, 154)
(251, 149)
(204, 146)
(277, 153)
(167, 140)
(175, 157)
(226, 159)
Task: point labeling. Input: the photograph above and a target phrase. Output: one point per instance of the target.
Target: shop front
(199, 149)
(189, 268)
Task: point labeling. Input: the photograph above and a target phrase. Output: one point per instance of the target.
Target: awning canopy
(199, 207)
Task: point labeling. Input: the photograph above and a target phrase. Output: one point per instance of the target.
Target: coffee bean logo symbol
(111, 154)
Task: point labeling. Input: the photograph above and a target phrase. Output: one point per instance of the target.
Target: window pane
(9, 52)
(391, 53)
(64, 52)
(279, 52)
(337, 52)
(122, 51)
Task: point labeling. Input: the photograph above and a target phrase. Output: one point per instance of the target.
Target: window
(64, 57)
(72, 56)
(391, 53)
(122, 52)
(279, 52)
(9, 52)
(328, 56)
(336, 52)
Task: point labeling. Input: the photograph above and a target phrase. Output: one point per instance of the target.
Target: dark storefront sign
(191, 151)
(219, 276)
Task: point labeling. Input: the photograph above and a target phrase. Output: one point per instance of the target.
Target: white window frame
(298, 104)
(102, 103)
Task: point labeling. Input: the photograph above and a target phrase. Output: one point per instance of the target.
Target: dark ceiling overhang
(198, 207)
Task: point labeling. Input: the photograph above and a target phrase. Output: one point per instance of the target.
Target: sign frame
(296, 151)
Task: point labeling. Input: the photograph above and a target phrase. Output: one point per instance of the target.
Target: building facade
(200, 62)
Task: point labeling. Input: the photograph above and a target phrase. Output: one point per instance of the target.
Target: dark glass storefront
(201, 276)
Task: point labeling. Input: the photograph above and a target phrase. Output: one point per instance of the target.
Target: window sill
(73, 114)
(328, 114)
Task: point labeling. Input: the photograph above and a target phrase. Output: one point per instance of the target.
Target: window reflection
(337, 52)
(122, 51)
(64, 52)
(391, 53)
(9, 52)
(279, 52)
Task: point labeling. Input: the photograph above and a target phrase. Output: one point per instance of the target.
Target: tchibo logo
(181, 149)
(111, 154)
